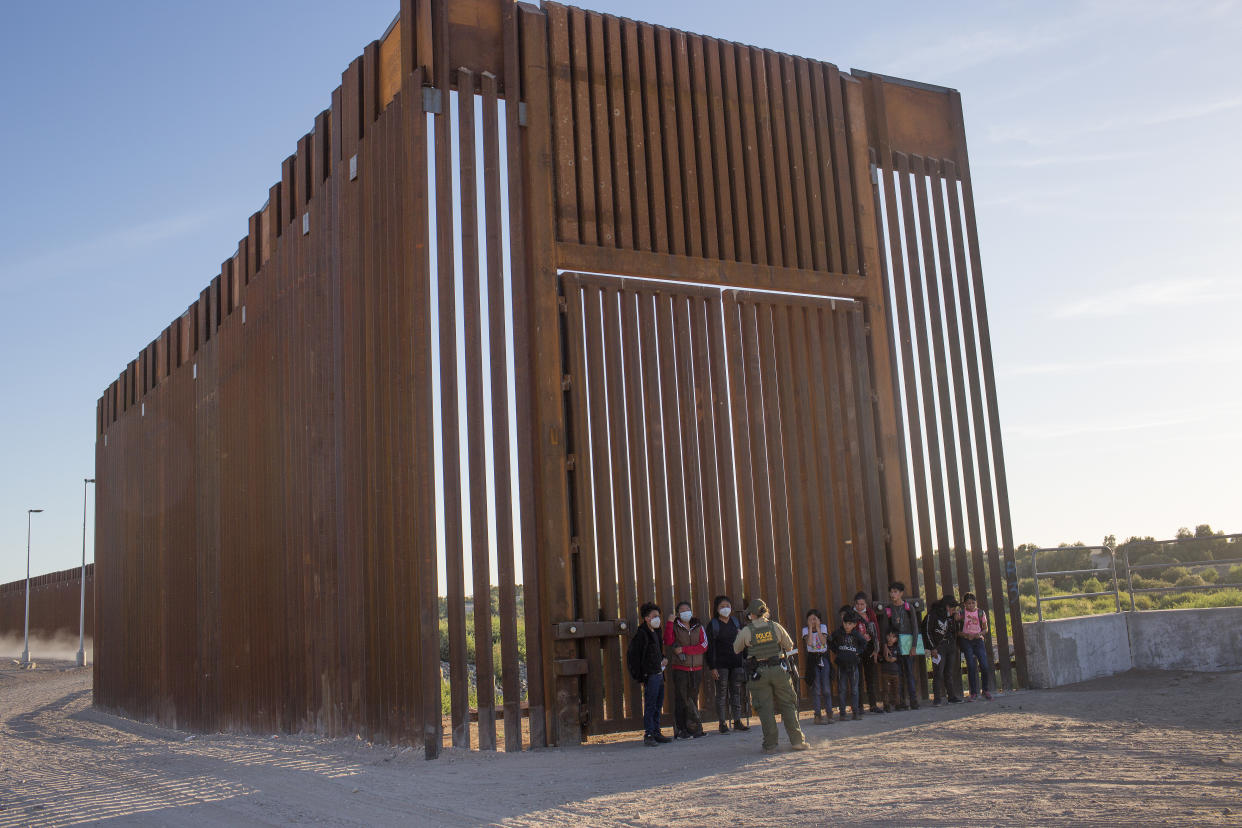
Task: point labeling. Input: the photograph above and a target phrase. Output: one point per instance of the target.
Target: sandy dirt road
(1150, 748)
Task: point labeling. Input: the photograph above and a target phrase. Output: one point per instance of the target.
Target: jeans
(686, 701)
(730, 693)
(909, 668)
(653, 703)
(867, 676)
(821, 686)
(947, 675)
(976, 652)
(847, 686)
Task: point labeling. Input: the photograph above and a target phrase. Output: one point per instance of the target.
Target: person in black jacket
(728, 668)
(646, 662)
(940, 639)
(847, 644)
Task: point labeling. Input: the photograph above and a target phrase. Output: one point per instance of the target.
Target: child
(687, 639)
(818, 667)
(899, 615)
(869, 626)
(646, 665)
(890, 671)
(940, 637)
(728, 668)
(972, 624)
(848, 644)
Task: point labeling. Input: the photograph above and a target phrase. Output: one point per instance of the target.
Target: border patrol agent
(771, 689)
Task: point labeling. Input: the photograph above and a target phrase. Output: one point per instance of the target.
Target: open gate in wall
(722, 306)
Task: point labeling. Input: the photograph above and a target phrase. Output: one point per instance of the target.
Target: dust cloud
(61, 647)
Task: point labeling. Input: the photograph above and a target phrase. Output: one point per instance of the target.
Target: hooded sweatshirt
(939, 627)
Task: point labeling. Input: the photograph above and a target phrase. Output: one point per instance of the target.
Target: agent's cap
(757, 608)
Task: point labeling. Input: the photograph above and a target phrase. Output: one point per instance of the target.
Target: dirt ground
(1152, 748)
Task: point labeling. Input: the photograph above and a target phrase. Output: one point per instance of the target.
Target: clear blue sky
(139, 136)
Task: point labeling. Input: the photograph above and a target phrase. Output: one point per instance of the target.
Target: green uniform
(773, 691)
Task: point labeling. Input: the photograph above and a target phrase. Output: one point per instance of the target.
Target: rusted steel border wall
(266, 525)
(55, 604)
(265, 528)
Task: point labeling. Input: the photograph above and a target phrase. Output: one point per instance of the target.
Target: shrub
(1189, 580)
(1234, 575)
(1210, 575)
(1175, 573)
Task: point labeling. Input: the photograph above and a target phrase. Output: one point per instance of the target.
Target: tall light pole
(82, 611)
(26, 648)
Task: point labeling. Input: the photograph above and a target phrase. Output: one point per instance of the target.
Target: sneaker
(698, 734)
(650, 740)
(970, 697)
(987, 695)
(875, 709)
(661, 738)
(857, 715)
(902, 707)
(819, 720)
(681, 734)
(799, 746)
(724, 728)
(914, 705)
(738, 724)
(955, 701)
(769, 748)
(936, 702)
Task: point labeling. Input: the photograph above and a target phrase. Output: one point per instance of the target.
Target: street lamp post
(82, 610)
(26, 647)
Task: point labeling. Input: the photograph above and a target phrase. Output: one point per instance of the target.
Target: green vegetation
(519, 622)
(1147, 559)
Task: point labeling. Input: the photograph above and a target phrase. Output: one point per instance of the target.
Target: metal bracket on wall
(433, 101)
(570, 666)
(589, 629)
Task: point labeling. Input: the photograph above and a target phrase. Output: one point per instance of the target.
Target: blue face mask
(686, 616)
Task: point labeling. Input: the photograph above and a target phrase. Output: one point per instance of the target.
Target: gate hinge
(562, 304)
(571, 462)
(574, 547)
(567, 382)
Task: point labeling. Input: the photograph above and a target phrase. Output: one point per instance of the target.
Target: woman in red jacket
(688, 641)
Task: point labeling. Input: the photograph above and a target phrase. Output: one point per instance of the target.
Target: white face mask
(654, 622)
(685, 616)
(724, 611)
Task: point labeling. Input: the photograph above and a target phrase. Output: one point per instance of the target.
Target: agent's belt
(774, 661)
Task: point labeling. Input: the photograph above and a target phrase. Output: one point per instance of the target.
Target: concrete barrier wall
(1070, 650)
(1190, 639)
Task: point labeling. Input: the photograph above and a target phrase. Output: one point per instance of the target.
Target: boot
(650, 741)
(724, 727)
(819, 719)
(857, 715)
(738, 724)
(660, 738)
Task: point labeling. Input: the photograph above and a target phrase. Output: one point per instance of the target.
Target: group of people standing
(874, 650)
